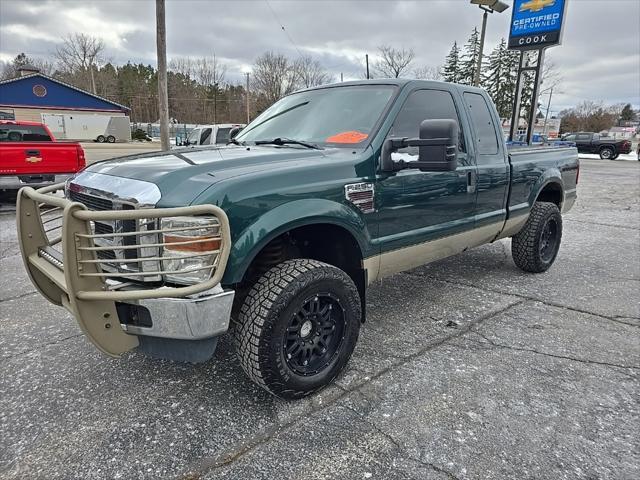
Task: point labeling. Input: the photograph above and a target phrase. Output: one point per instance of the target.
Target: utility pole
(163, 97)
(546, 116)
(476, 77)
(366, 58)
(341, 77)
(248, 115)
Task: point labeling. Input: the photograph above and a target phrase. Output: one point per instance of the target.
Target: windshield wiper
(287, 141)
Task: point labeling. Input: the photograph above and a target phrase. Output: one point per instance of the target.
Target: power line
(283, 29)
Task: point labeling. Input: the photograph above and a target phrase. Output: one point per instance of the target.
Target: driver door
(418, 208)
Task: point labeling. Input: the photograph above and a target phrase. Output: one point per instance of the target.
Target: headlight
(192, 245)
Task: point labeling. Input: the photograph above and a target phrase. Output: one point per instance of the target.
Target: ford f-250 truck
(31, 156)
(277, 235)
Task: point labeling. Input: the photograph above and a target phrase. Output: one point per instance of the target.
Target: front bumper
(197, 317)
(68, 272)
(16, 182)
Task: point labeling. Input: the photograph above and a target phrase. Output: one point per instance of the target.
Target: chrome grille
(129, 261)
(92, 202)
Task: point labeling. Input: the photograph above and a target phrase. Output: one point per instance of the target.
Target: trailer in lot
(99, 128)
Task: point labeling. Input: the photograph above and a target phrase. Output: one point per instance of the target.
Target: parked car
(539, 139)
(209, 135)
(327, 191)
(30, 155)
(607, 147)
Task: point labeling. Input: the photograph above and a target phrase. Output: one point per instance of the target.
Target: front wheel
(615, 156)
(298, 327)
(606, 153)
(535, 247)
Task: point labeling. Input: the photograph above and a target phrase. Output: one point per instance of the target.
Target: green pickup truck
(276, 236)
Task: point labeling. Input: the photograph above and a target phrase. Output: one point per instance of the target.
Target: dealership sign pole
(535, 26)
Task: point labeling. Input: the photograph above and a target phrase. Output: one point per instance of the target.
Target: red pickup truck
(31, 156)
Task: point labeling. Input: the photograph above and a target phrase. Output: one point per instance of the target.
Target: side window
(583, 137)
(570, 138)
(204, 138)
(424, 105)
(487, 142)
(223, 135)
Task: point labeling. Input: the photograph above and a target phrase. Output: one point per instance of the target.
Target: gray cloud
(599, 60)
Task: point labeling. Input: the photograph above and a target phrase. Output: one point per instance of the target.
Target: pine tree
(451, 68)
(627, 113)
(469, 60)
(499, 79)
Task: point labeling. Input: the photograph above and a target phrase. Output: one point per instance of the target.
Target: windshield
(339, 116)
(193, 137)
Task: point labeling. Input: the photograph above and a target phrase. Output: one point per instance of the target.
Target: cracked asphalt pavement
(467, 368)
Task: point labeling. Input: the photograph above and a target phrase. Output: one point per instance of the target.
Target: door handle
(471, 182)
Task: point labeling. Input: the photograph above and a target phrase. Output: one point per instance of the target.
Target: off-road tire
(265, 316)
(606, 153)
(526, 244)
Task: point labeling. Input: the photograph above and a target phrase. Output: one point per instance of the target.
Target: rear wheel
(535, 247)
(606, 153)
(615, 156)
(298, 327)
(100, 139)
(111, 139)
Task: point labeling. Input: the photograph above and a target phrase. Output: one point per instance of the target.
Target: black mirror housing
(437, 147)
(234, 132)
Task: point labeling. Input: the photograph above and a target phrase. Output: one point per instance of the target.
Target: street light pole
(489, 6)
(476, 78)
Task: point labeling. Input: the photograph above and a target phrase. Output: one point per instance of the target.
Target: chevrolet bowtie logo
(536, 5)
(34, 159)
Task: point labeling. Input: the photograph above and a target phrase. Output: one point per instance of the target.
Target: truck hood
(191, 171)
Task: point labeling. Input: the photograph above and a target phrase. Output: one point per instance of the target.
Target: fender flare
(549, 177)
(284, 218)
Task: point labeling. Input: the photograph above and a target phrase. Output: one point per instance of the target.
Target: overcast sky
(599, 59)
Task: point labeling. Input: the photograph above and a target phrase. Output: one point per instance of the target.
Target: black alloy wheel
(315, 334)
(549, 240)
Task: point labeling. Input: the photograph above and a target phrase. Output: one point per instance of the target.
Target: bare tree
(309, 73)
(10, 69)
(81, 53)
(428, 73)
(209, 71)
(589, 116)
(393, 62)
(273, 78)
(183, 66)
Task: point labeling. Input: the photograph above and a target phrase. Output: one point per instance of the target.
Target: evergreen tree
(469, 60)
(499, 79)
(451, 68)
(627, 113)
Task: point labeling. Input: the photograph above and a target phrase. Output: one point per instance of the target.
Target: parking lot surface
(466, 368)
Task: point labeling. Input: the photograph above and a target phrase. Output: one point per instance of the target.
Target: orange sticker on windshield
(347, 137)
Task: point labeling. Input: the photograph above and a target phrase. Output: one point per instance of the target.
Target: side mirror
(438, 148)
(234, 132)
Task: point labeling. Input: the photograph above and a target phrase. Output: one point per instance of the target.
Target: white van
(209, 134)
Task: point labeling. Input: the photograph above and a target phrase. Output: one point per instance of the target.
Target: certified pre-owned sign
(536, 23)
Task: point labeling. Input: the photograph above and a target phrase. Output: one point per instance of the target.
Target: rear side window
(424, 105)
(23, 133)
(584, 137)
(486, 141)
(223, 135)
